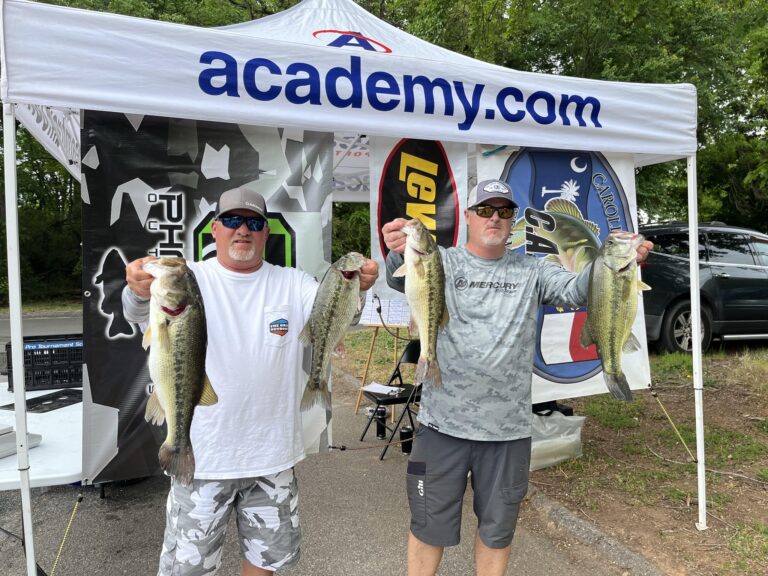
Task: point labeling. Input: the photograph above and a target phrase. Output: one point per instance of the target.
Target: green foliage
(351, 229)
(612, 413)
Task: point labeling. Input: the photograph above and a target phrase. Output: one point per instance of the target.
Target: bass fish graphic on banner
(569, 202)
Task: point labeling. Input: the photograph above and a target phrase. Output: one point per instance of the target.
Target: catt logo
(350, 39)
(417, 182)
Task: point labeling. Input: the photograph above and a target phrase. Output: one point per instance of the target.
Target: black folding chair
(409, 395)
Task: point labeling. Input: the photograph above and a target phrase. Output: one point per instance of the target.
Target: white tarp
(342, 70)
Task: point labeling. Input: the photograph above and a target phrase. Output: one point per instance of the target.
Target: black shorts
(437, 479)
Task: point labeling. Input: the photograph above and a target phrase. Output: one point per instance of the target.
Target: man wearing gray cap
(479, 419)
(246, 444)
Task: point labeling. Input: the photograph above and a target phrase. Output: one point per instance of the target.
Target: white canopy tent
(324, 65)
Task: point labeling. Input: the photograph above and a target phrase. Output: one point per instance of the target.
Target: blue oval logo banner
(569, 202)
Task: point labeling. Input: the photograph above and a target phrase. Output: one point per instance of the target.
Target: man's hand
(394, 237)
(368, 274)
(643, 250)
(138, 280)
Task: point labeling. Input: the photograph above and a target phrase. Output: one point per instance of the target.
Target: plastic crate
(50, 362)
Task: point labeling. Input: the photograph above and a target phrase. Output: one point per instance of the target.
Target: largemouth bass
(425, 293)
(336, 303)
(176, 337)
(576, 239)
(612, 306)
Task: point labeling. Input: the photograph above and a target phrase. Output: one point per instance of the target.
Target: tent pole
(698, 378)
(17, 340)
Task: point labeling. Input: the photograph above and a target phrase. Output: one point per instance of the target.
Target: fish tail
(179, 462)
(618, 386)
(316, 396)
(428, 371)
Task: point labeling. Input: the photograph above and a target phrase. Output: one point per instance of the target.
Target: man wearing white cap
(246, 444)
(479, 419)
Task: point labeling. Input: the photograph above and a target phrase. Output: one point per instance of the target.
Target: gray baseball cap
(241, 198)
(488, 189)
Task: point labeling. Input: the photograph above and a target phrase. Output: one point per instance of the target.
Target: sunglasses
(485, 211)
(254, 223)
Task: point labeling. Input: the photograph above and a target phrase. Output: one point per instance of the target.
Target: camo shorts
(197, 517)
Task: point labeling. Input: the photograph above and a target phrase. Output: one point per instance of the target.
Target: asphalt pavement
(353, 513)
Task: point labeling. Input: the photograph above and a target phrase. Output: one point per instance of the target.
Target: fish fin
(163, 339)
(208, 397)
(618, 386)
(444, 319)
(563, 206)
(593, 227)
(428, 371)
(517, 235)
(360, 303)
(147, 338)
(316, 396)
(399, 273)
(585, 339)
(154, 412)
(632, 344)
(305, 336)
(642, 286)
(178, 462)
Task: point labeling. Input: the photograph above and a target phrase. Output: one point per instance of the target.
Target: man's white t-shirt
(254, 363)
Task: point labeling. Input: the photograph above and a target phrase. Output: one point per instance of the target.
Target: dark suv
(733, 275)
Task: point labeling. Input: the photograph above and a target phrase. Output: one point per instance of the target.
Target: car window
(761, 250)
(675, 244)
(729, 248)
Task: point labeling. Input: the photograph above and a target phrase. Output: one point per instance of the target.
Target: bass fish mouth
(348, 274)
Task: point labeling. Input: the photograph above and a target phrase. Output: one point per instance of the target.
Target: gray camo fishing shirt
(486, 350)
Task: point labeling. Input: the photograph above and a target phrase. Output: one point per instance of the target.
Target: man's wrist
(138, 299)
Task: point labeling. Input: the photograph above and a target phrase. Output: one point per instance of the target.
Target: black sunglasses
(485, 211)
(234, 221)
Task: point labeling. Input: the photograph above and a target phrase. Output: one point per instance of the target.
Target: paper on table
(377, 388)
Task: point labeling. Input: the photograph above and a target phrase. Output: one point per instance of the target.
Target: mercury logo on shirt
(279, 327)
(462, 284)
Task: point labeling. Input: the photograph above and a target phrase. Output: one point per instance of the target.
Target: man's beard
(240, 255)
(492, 241)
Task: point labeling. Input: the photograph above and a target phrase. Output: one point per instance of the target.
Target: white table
(58, 459)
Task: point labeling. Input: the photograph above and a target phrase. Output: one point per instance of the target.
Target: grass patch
(762, 474)
(614, 414)
(750, 541)
(671, 368)
(751, 369)
(722, 445)
(762, 426)
(383, 357)
(59, 306)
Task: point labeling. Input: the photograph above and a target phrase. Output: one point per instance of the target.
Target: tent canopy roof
(328, 65)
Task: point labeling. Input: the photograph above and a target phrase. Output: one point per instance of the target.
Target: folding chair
(409, 394)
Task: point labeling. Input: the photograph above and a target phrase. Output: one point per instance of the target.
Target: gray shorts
(437, 480)
(197, 515)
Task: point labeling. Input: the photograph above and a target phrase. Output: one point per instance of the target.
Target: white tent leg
(698, 377)
(17, 339)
